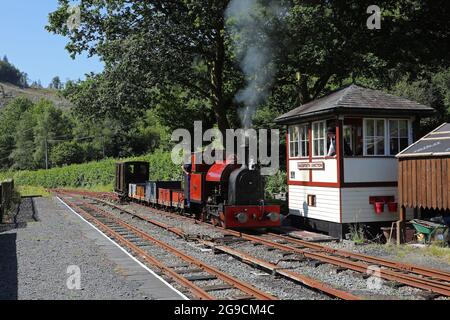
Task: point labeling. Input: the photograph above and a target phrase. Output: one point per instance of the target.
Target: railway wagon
(178, 200)
(165, 197)
(127, 173)
(152, 189)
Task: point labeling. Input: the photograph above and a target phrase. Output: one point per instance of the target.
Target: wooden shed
(424, 172)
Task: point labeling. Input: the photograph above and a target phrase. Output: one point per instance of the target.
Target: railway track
(431, 280)
(186, 272)
(274, 269)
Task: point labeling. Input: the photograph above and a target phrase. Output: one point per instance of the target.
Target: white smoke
(253, 48)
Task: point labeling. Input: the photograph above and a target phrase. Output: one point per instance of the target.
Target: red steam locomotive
(225, 193)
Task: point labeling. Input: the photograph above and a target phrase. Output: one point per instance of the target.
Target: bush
(92, 174)
(276, 184)
(67, 153)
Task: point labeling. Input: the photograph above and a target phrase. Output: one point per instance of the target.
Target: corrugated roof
(354, 97)
(436, 143)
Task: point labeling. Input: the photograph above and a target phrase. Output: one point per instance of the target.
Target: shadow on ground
(8, 267)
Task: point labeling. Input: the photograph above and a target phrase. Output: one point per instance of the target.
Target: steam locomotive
(226, 193)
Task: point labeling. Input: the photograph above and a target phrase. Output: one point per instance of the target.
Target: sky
(35, 51)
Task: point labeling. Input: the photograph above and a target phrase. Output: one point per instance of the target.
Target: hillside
(9, 92)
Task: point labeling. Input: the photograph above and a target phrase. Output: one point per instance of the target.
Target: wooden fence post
(1, 203)
(401, 225)
(6, 191)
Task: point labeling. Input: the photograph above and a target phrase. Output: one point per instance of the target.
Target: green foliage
(433, 89)
(92, 174)
(28, 130)
(357, 233)
(32, 132)
(67, 153)
(179, 58)
(10, 74)
(29, 191)
(56, 83)
(153, 44)
(276, 184)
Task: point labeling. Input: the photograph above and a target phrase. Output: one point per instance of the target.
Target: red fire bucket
(379, 207)
(393, 206)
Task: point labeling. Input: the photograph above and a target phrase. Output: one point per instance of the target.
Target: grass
(434, 250)
(357, 234)
(438, 252)
(27, 191)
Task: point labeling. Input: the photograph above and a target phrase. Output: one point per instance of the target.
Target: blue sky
(34, 50)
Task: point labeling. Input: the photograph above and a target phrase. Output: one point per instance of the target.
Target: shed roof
(436, 143)
(355, 99)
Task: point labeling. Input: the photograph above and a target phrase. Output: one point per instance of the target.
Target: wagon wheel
(215, 222)
(204, 216)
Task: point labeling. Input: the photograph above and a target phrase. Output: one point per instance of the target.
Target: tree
(431, 89)
(67, 153)
(317, 46)
(159, 43)
(56, 83)
(51, 127)
(325, 44)
(10, 117)
(9, 73)
(22, 155)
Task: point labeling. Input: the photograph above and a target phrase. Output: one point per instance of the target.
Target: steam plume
(251, 30)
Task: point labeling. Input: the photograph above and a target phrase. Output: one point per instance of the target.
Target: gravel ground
(405, 253)
(35, 260)
(346, 280)
(187, 227)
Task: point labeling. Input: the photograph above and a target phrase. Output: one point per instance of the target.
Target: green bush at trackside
(99, 176)
(92, 174)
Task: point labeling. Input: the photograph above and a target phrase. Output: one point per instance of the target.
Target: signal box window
(298, 141)
(353, 137)
(319, 138)
(398, 136)
(374, 133)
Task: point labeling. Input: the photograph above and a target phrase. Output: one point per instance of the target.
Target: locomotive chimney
(249, 162)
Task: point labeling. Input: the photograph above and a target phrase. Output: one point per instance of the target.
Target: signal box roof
(355, 100)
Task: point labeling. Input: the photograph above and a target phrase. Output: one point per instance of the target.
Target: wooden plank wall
(424, 183)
